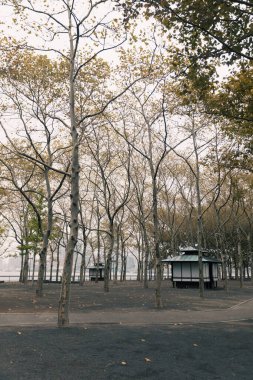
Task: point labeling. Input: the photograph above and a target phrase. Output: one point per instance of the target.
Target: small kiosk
(97, 272)
(185, 269)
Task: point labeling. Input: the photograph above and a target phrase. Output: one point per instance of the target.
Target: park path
(241, 311)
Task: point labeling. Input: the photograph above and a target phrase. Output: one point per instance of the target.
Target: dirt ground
(177, 351)
(15, 297)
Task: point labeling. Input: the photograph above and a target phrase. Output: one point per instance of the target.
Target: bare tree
(111, 184)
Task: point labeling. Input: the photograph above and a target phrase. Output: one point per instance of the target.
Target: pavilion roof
(190, 258)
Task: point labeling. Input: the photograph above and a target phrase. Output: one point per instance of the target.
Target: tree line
(136, 157)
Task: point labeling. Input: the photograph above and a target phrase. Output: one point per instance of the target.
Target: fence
(9, 278)
(15, 278)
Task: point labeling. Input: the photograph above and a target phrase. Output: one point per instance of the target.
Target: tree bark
(199, 219)
(63, 309)
(43, 252)
(109, 259)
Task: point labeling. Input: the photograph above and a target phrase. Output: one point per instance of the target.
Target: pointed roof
(191, 250)
(190, 254)
(190, 258)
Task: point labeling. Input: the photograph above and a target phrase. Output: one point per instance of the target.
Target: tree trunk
(25, 267)
(199, 220)
(43, 257)
(109, 260)
(139, 260)
(240, 258)
(98, 246)
(147, 256)
(51, 266)
(21, 266)
(83, 263)
(124, 265)
(63, 310)
(34, 262)
(251, 256)
(117, 256)
(158, 264)
(57, 262)
(46, 235)
(75, 266)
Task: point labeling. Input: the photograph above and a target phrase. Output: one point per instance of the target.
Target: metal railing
(9, 278)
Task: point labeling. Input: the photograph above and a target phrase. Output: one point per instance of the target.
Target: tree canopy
(206, 28)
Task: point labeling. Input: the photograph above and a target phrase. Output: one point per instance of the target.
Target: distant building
(185, 269)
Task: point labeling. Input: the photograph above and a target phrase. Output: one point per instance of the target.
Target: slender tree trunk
(251, 266)
(51, 266)
(221, 246)
(43, 257)
(147, 255)
(225, 263)
(26, 267)
(34, 262)
(142, 255)
(83, 262)
(83, 256)
(117, 256)
(109, 259)
(57, 262)
(230, 268)
(251, 256)
(22, 265)
(240, 257)
(98, 245)
(75, 266)
(236, 267)
(46, 235)
(158, 264)
(63, 310)
(124, 265)
(139, 261)
(199, 220)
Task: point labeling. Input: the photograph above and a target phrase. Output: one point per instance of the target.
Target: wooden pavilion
(185, 268)
(97, 272)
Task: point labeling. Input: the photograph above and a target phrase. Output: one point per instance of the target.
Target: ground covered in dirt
(15, 297)
(175, 351)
